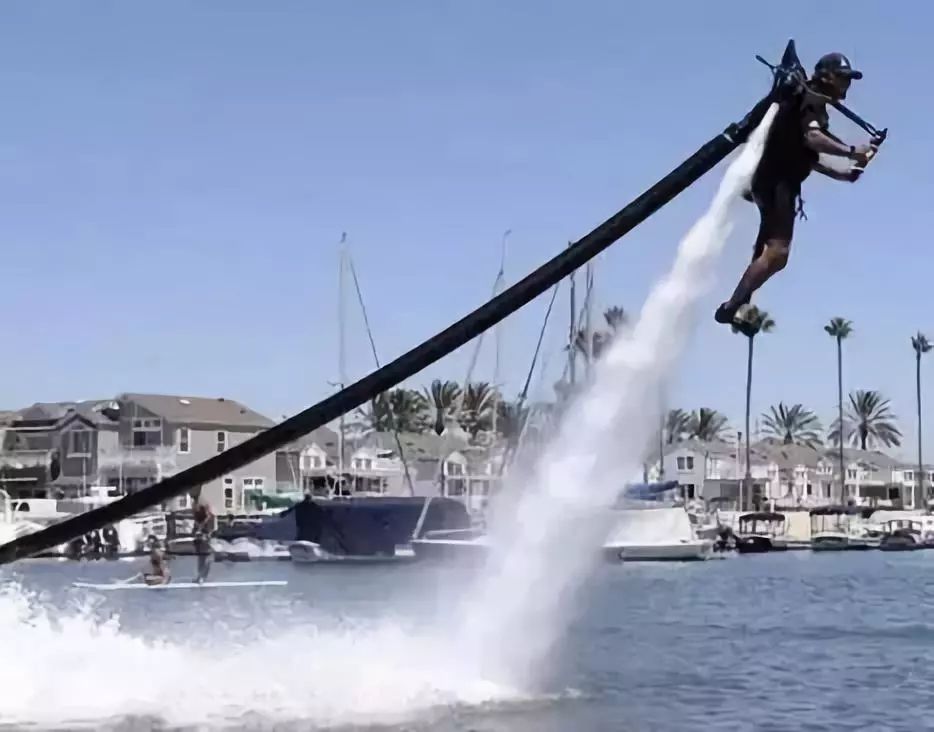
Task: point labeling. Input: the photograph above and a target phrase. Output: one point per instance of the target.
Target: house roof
(191, 410)
(323, 437)
(872, 457)
(713, 448)
(92, 410)
(789, 456)
(417, 445)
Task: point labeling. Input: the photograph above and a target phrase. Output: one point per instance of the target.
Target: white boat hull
(448, 549)
(833, 541)
(686, 551)
(308, 552)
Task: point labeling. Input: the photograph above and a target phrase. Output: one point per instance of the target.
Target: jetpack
(788, 77)
(791, 81)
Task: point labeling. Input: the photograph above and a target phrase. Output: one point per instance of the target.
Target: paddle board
(177, 585)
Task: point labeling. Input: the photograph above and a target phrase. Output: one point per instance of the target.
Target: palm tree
(756, 321)
(921, 345)
(792, 425)
(406, 410)
(868, 422)
(707, 424)
(840, 328)
(510, 420)
(477, 408)
(615, 318)
(677, 426)
(442, 396)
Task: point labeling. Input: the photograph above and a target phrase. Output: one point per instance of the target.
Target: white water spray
(69, 667)
(66, 669)
(546, 548)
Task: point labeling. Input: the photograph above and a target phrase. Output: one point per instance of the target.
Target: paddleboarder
(205, 525)
(158, 574)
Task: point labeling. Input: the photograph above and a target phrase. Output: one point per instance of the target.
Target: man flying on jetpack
(799, 134)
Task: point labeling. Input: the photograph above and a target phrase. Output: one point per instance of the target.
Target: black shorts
(777, 202)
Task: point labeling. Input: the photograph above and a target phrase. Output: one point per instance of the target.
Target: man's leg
(770, 254)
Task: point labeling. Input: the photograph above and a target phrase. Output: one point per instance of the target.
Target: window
(909, 475)
(228, 493)
(455, 468)
(252, 487)
(221, 441)
(147, 432)
(367, 464)
(184, 440)
(810, 489)
(851, 474)
(688, 491)
(80, 442)
(686, 463)
(312, 462)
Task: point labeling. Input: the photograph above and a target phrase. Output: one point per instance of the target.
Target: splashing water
(547, 545)
(70, 667)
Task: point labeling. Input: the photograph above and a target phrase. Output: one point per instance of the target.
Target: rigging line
(523, 395)
(497, 287)
(389, 411)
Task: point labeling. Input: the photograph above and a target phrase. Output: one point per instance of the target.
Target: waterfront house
(52, 449)
(712, 470)
(309, 464)
(439, 465)
(787, 476)
(163, 434)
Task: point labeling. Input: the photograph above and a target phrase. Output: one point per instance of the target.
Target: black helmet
(836, 63)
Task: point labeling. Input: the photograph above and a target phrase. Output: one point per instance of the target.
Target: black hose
(409, 364)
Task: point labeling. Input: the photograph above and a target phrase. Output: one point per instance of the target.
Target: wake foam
(70, 668)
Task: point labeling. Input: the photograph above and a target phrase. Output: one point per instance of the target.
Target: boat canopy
(762, 516)
(649, 491)
(860, 511)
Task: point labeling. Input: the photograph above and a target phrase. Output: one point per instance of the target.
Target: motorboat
(651, 527)
(842, 528)
(760, 532)
(371, 530)
(906, 534)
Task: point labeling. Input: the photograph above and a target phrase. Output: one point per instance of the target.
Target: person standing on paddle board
(203, 529)
(799, 134)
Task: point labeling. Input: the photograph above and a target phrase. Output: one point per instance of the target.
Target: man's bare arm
(849, 176)
(820, 142)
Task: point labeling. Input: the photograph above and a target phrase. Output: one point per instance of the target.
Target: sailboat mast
(341, 351)
(498, 338)
(572, 327)
(588, 327)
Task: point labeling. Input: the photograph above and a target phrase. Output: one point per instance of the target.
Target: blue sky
(175, 177)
